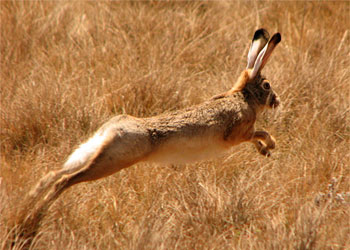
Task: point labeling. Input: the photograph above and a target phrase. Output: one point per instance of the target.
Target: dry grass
(66, 67)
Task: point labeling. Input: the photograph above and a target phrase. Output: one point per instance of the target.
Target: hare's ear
(260, 39)
(264, 54)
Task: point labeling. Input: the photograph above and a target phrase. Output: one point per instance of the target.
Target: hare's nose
(275, 101)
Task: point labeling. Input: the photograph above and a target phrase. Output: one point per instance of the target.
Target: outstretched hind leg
(35, 207)
(102, 155)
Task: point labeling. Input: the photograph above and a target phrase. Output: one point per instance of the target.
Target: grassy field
(66, 67)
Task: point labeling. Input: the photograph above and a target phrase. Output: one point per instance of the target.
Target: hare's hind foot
(263, 142)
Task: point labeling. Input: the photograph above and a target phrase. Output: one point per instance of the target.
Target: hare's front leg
(263, 142)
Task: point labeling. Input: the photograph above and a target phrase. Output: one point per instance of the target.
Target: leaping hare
(187, 135)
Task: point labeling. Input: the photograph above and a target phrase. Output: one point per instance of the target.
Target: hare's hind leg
(118, 144)
(263, 142)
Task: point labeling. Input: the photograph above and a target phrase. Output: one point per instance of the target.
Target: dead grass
(66, 67)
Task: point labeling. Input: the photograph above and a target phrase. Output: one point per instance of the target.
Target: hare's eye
(266, 85)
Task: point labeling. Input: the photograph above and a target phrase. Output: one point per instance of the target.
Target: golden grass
(66, 67)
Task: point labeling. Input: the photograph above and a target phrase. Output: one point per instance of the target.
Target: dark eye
(266, 85)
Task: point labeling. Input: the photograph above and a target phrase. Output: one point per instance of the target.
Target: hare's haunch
(192, 134)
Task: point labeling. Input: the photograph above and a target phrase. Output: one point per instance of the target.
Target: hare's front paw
(263, 141)
(264, 149)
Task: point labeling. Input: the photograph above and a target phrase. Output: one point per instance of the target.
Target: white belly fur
(187, 150)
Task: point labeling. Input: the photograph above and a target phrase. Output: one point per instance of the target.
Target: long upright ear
(264, 54)
(259, 40)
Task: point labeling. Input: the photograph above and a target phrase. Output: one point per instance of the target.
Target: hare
(188, 135)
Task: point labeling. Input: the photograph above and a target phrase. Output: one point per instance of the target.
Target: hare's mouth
(274, 102)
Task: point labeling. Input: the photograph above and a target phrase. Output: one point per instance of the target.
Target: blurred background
(67, 67)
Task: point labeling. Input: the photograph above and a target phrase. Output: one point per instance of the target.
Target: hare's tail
(48, 189)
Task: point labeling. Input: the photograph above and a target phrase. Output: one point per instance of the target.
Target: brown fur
(187, 135)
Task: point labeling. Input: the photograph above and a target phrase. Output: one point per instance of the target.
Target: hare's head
(259, 91)
(255, 86)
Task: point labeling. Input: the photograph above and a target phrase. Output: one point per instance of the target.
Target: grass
(66, 67)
